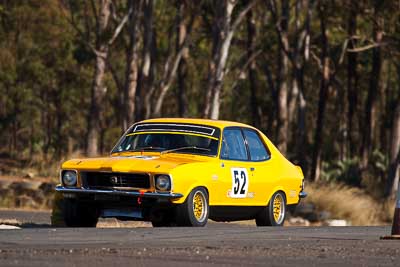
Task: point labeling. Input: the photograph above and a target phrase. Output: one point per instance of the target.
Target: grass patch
(352, 204)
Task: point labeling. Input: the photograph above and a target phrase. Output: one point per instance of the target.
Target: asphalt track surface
(217, 244)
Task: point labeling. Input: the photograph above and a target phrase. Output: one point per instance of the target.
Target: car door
(235, 170)
(264, 177)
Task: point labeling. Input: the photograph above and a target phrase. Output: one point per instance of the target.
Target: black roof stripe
(177, 127)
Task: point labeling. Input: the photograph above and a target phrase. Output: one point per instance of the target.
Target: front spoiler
(68, 190)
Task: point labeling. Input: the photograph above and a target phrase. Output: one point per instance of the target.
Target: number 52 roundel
(240, 183)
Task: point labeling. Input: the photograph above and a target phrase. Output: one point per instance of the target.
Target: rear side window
(258, 151)
(233, 146)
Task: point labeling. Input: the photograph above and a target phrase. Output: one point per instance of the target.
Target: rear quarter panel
(287, 177)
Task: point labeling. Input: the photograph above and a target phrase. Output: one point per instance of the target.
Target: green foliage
(346, 171)
(379, 162)
(349, 171)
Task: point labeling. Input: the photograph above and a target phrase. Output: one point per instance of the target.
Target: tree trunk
(98, 90)
(222, 37)
(182, 68)
(271, 89)
(145, 89)
(223, 30)
(252, 69)
(394, 154)
(323, 93)
(95, 112)
(301, 144)
(282, 105)
(282, 127)
(301, 130)
(300, 70)
(370, 107)
(59, 122)
(352, 78)
(131, 75)
(290, 94)
(172, 63)
(301, 59)
(394, 159)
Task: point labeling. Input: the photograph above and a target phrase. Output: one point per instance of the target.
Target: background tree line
(319, 77)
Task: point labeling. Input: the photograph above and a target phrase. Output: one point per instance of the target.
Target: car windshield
(169, 143)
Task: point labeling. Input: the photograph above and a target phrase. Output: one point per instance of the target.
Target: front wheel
(275, 213)
(163, 223)
(76, 214)
(195, 210)
(165, 218)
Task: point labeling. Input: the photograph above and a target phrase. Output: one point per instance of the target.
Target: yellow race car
(182, 172)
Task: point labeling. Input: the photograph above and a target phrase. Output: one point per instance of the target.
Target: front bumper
(157, 195)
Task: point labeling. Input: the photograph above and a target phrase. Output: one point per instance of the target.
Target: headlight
(163, 182)
(302, 185)
(69, 178)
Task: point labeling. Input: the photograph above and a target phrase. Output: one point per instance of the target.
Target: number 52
(240, 183)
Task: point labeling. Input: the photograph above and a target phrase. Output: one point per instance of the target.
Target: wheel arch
(184, 182)
(276, 189)
(190, 189)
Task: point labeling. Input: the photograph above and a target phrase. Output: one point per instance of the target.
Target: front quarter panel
(189, 176)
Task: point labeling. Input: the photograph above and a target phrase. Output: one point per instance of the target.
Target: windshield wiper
(144, 148)
(184, 148)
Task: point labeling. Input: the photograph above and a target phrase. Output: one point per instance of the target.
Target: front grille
(105, 180)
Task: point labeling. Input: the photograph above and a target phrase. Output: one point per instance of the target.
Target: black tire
(164, 219)
(163, 223)
(186, 212)
(77, 214)
(57, 216)
(267, 217)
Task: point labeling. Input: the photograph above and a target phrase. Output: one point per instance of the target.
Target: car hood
(132, 163)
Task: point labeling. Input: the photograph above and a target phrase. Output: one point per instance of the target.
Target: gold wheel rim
(199, 206)
(279, 208)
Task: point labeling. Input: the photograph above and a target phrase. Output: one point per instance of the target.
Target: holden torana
(182, 172)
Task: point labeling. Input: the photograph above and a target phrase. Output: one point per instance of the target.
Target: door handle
(252, 169)
(222, 164)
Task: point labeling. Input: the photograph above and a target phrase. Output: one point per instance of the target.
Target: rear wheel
(195, 210)
(77, 214)
(275, 213)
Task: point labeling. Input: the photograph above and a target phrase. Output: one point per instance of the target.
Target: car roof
(216, 123)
